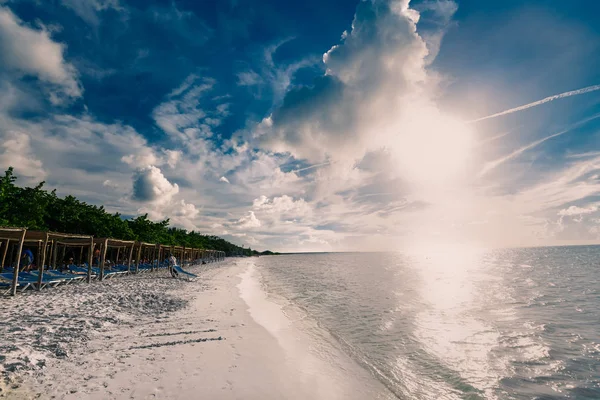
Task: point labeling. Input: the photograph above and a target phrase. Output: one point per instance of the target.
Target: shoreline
(152, 336)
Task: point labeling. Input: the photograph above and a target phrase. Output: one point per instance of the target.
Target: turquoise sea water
(501, 324)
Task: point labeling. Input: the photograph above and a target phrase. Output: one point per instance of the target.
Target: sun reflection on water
(451, 326)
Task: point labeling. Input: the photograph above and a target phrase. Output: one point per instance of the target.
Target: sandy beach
(151, 336)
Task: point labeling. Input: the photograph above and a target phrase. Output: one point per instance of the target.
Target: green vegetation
(38, 209)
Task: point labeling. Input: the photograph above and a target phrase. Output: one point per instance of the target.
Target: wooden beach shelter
(163, 249)
(106, 243)
(54, 240)
(20, 236)
(177, 251)
(144, 250)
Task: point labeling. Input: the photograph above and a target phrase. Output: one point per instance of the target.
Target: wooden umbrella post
(139, 254)
(54, 254)
(117, 257)
(129, 260)
(15, 281)
(4, 253)
(90, 260)
(43, 261)
(103, 258)
(152, 259)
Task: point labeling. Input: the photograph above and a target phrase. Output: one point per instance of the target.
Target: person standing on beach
(172, 263)
(26, 260)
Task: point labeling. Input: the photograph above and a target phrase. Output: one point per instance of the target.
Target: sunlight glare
(431, 148)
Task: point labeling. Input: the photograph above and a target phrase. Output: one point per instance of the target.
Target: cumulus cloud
(16, 152)
(143, 158)
(576, 211)
(159, 198)
(146, 156)
(32, 52)
(248, 221)
(150, 185)
(376, 94)
(283, 206)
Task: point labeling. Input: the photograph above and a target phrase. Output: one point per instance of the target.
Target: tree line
(38, 209)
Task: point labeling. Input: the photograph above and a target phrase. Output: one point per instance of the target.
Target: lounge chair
(178, 272)
(6, 283)
(82, 270)
(47, 279)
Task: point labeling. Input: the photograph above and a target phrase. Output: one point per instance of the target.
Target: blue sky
(314, 125)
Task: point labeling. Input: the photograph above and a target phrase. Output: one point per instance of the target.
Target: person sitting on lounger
(96, 259)
(26, 260)
(172, 262)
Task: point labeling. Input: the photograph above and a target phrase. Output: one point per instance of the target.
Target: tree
(35, 208)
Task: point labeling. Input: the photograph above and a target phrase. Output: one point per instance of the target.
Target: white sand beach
(151, 336)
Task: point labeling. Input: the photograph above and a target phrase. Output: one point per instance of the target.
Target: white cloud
(249, 78)
(577, 211)
(29, 51)
(540, 102)
(145, 157)
(172, 157)
(248, 222)
(110, 184)
(283, 206)
(495, 163)
(376, 94)
(16, 152)
(159, 198)
(89, 10)
(150, 185)
(181, 115)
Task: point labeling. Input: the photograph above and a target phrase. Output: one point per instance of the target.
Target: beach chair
(178, 272)
(83, 271)
(66, 278)
(47, 279)
(6, 283)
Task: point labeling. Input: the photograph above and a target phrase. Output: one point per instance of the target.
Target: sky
(337, 125)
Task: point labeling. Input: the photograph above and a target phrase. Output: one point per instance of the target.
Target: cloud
(172, 157)
(145, 157)
(248, 222)
(376, 94)
(159, 198)
(150, 185)
(283, 206)
(494, 164)
(540, 102)
(110, 184)
(16, 152)
(576, 211)
(249, 78)
(89, 10)
(31, 52)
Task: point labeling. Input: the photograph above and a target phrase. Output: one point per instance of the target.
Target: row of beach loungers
(75, 274)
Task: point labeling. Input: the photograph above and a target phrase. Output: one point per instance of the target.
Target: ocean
(455, 323)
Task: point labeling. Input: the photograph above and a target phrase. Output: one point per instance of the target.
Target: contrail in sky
(311, 167)
(493, 164)
(539, 102)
